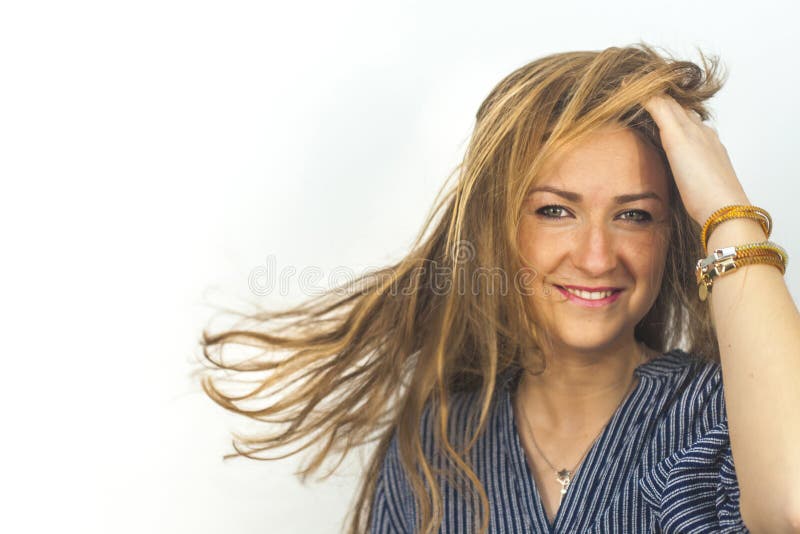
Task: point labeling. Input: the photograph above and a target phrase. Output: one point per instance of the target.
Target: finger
(686, 117)
(698, 119)
(660, 107)
(655, 104)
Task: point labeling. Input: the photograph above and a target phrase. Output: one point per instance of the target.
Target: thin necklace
(564, 476)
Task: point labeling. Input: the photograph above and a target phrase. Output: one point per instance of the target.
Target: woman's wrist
(727, 198)
(736, 232)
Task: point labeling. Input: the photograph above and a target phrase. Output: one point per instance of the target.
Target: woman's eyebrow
(577, 197)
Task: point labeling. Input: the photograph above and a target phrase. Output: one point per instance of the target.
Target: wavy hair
(363, 361)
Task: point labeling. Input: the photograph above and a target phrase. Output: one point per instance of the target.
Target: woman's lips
(590, 303)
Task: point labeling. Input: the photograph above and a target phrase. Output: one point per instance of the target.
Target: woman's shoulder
(674, 360)
(678, 367)
(690, 442)
(682, 395)
(463, 415)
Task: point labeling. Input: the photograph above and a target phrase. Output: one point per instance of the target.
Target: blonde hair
(363, 361)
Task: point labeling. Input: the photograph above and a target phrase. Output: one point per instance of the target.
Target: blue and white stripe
(662, 464)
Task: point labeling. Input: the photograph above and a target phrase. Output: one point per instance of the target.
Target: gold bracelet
(725, 260)
(762, 248)
(727, 213)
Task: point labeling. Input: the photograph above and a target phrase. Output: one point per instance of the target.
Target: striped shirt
(662, 464)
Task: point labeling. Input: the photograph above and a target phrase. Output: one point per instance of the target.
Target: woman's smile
(593, 299)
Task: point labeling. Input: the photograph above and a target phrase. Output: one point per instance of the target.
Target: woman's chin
(587, 341)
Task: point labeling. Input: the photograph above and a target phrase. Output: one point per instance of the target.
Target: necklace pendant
(564, 479)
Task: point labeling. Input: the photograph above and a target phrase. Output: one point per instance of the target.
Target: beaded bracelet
(727, 213)
(725, 260)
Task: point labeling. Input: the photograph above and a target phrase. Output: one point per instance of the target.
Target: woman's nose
(594, 250)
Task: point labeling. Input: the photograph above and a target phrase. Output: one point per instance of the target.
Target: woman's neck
(579, 391)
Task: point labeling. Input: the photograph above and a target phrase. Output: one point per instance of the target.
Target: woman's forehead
(608, 162)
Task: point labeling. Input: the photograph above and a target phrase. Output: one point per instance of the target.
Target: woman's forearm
(758, 330)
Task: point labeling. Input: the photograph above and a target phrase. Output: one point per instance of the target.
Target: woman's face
(598, 219)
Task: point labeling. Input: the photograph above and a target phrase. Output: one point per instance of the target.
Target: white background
(154, 153)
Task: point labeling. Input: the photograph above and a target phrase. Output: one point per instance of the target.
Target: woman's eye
(639, 215)
(551, 212)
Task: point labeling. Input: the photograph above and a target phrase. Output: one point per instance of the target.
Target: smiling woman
(576, 186)
(604, 250)
(611, 235)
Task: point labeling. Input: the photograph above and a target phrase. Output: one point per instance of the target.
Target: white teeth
(593, 295)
